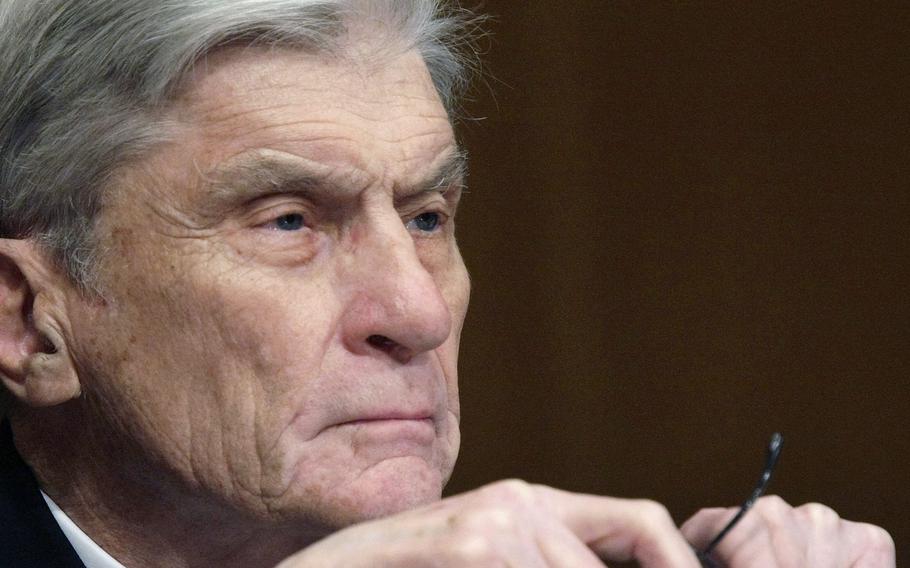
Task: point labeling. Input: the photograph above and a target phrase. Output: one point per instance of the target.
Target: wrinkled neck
(137, 511)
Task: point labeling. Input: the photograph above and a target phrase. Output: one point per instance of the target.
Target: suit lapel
(29, 535)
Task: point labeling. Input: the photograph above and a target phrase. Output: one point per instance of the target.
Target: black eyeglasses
(771, 457)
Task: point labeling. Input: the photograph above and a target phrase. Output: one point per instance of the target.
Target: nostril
(381, 342)
(391, 347)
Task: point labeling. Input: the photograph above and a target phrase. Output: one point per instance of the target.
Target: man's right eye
(289, 222)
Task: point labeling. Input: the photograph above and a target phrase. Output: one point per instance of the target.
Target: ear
(35, 365)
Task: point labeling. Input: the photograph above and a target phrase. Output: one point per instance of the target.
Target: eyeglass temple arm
(771, 457)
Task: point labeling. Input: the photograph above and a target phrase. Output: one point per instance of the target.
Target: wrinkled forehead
(350, 120)
(360, 73)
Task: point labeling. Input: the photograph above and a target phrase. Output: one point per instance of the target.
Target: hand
(775, 535)
(510, 523)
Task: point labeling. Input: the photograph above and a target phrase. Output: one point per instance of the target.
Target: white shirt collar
(90, 553)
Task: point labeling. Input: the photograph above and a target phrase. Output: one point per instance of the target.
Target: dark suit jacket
(29, 535)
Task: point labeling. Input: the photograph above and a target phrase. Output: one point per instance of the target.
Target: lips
(402, 416)
(391, 433)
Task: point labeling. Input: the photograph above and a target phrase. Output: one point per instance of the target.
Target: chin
(389, 487)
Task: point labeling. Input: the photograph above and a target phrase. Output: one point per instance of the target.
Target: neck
(138, 511)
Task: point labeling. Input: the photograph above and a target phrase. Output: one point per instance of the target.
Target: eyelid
(276, 203)
(266, 210)
(441, 198)
(449, 193)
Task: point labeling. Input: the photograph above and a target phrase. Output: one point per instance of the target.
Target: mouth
(390, 417)
(394, 427)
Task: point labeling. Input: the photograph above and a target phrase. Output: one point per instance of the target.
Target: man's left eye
(425, 222)
(289, 222)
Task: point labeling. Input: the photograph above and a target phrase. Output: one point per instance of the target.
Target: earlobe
(35, 365)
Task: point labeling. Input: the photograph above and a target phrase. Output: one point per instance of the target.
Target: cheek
(272, 338)
(210, 359)
(455, 286)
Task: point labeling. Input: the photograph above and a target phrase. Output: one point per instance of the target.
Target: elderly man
(231, 305)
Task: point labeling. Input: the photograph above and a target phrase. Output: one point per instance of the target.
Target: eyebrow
(452, 172)
(263, 173)
(256, 175)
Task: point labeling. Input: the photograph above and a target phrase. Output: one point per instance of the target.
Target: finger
(871, 546)
(622, 529)
(783, 533)
(562, 549)
(822, 528)
(525, 529)
(704, 525)
(775, 534)
(746, 544)
(767, 533)
(484, 529)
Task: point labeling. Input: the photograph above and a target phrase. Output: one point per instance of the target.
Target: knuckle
(654, 530)
(469, 549)
(511, 491)
(709, 517)
(877, 539)
(654, 513)
(773, 502)
(485, 520)
(772, 506)
(819, 514)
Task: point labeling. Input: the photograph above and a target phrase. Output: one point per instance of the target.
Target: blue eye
(289, 222)
(426, 222)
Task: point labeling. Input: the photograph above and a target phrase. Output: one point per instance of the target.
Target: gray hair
(84, 85)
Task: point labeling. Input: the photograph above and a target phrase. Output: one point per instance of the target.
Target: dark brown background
(688, 228)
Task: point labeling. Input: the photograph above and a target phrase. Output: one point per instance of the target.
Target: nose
(394, 304)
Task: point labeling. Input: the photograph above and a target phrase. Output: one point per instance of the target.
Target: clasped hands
(517, 524)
